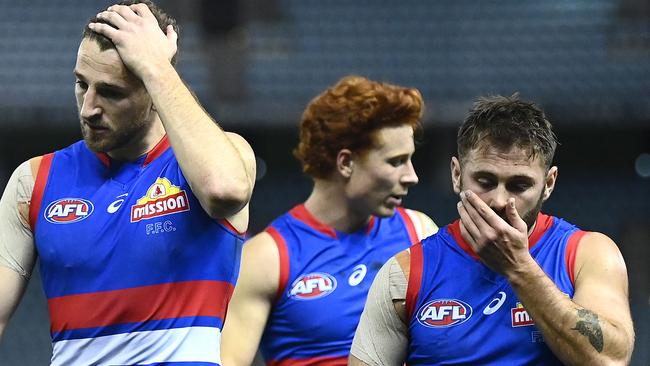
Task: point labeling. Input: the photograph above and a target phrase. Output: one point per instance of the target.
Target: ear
(344, 163)
(455, 174)
(549, 183)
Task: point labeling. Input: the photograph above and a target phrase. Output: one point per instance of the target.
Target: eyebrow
(514, 177)
(101, 84)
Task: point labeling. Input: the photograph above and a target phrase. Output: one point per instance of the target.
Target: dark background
(255, 64)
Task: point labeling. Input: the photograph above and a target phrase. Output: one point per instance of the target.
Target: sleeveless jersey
(325, 276)
(461, 312)
(134, 271)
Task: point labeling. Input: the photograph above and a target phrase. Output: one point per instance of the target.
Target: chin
(384, 211)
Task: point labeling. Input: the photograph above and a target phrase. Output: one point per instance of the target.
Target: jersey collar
(154, 153)
(300, 213)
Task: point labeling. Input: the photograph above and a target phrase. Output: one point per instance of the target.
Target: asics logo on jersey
(313, 286)
(113, 207)
(444, 313)
(358, 274)
(68, 210)
(520, 317)
(495, 304)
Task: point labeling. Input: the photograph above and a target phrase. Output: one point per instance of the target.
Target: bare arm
(381, 337)
(219, 167)
(594, 327)
(17, 253)
(252, 301)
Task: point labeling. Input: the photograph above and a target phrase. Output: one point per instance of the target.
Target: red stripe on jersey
(570, 253)
(139, 304)
(230, 227)
(39, 189)
(160, 148)
(415, 279)
(317, 361)
(410, 227)
(283, 253)
(300, 213)
(542, 224)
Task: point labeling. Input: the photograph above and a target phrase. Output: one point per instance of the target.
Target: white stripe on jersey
(417, 222)
(191, 344)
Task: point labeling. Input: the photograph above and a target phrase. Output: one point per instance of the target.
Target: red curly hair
(347, 115)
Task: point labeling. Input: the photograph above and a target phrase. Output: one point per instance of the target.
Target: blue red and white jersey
(461, 312)
(134, 271)
(325, 276)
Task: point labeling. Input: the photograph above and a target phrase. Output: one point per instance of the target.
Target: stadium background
(255, 64)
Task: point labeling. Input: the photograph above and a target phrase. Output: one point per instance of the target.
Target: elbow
(223, 202)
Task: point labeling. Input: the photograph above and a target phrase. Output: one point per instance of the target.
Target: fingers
(124, 11)
(113, 18)
(104, 29)
(477, 210)
(141, 9)
(513, 216)
(470, 228)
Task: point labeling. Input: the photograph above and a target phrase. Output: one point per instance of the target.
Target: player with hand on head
(137, 227)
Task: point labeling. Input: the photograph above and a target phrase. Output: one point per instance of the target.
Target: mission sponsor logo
(162, 198)
(520, 317)
(443, 313)
(313, 286)
(68, 210)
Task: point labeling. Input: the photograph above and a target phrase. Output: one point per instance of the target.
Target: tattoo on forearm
(589, 326)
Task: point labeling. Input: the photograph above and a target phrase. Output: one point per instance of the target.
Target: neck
(139, 144)
(329, 205)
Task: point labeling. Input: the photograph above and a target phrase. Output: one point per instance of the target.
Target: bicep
(17, 250)
(246, 152)
(12, 287)
(252, 301)
(601, 283)
(381, 337)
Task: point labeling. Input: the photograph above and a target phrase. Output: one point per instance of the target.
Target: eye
(518, 186)
(485, 182)
(395, 162)
(111, 94)
(81, 85)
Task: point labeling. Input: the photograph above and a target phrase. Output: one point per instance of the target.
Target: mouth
(396, 199)
(95, 128)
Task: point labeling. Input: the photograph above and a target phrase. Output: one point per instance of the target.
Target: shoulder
(423, 224)
(598, 255)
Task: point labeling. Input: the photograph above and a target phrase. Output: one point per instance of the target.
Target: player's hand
(501, 245)
(134, 30)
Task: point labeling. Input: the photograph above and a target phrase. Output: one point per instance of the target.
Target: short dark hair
(347, 115)
(507, 122)
(163, 21)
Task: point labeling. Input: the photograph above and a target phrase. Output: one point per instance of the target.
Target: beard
(108, 137)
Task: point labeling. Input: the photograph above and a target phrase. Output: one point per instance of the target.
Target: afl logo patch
(312, 286)
(68, 210)
(443, 313)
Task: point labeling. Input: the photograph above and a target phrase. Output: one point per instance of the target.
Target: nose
(89, 108)
(498, 198)
(410, 178)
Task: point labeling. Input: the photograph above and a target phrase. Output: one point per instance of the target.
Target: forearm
(212, 164)
(574, 333)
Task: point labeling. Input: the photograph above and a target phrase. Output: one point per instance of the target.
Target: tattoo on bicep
(589, 326)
